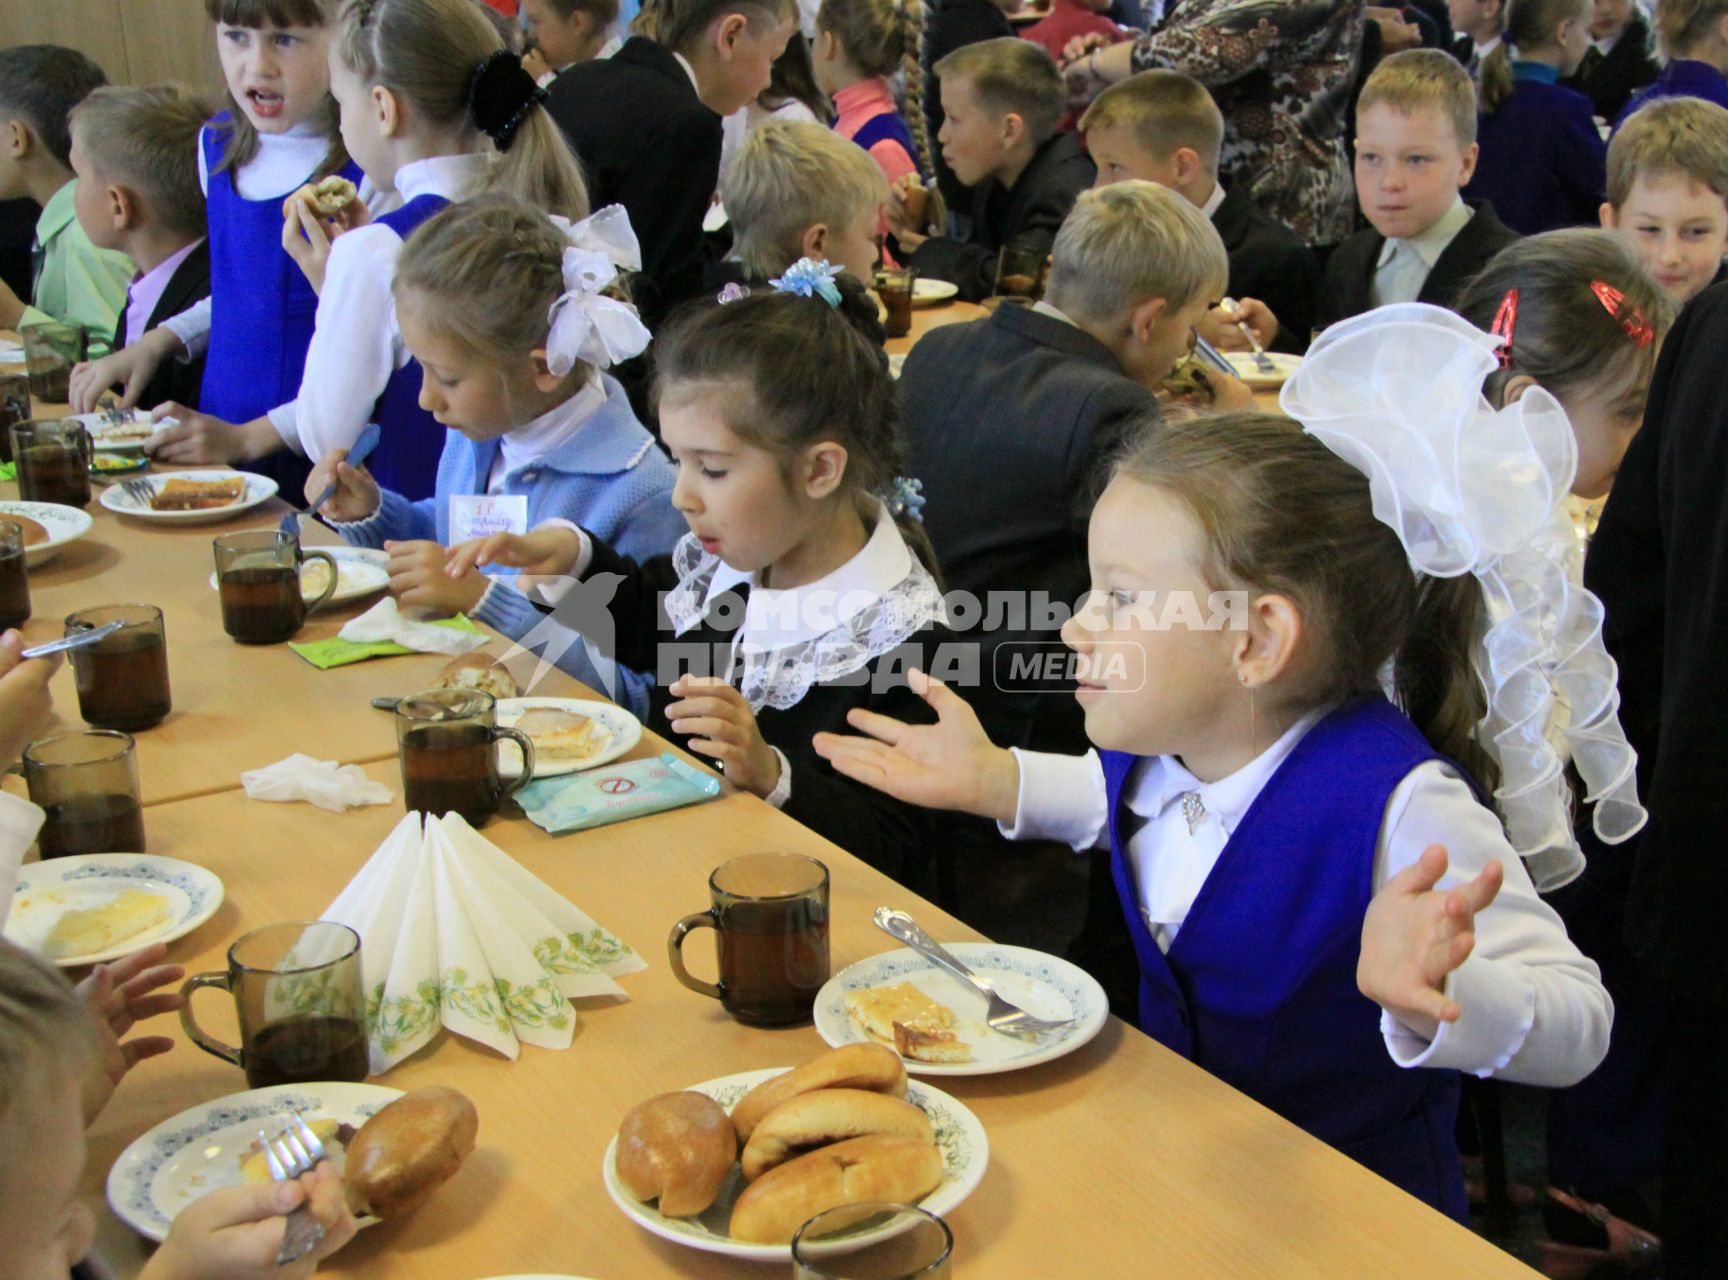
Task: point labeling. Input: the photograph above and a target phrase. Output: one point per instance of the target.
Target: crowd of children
(625, 277)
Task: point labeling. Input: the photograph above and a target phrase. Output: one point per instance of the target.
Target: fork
(1262, 361)
(1010, 1019)
(141, 491)
(296, 1151)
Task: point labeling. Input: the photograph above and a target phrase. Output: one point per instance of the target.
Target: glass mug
(14, 581)
(51, 348)
(14, 408)
(258, 578)
(1019, 274)
(447, 740)
(123, 680)
(918, 1246)
(302, 1009)
(53, 457)
(770, 919)
(896, 286)
(87, 786)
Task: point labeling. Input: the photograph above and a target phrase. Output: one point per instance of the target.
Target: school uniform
(1473, 55)
(1268, 261)
(1542, 164)
(866, 113)
(646, 142)
(1681, 78)
(1369, 271)
(1067, 20)
(1613, 70)
(951, 25)
(72, 280)
(1028, 213)
(175, 284)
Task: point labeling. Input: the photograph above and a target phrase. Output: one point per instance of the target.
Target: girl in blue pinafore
(1326, 913)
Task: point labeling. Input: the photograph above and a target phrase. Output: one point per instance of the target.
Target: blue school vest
(886, 127)
(261, 310)
(1259, 987)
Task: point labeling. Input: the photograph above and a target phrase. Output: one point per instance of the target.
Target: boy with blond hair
(135, 152)
(1415, 151)
(1668, 192)
(1164, 127)
(1002, 102)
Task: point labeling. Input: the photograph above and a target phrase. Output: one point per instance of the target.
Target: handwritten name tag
(480, 515)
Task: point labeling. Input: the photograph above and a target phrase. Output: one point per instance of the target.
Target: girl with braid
(859, 45)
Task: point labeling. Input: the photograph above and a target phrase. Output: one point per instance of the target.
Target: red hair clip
(1636, 326)
(1504, 321)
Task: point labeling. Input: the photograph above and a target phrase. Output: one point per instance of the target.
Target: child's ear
(1607, 217)
(1187, 162)
(122, 207)
(728, 32)
(1515, 388)
(1013, 130)
(1264, 649)
(824, 468)
(545, 381)
(815, 241)
(1468, 167)
(17, 139)
(1144, 318)
(388, 110)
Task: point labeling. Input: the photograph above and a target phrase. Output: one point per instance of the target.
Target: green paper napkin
(8, 470)
(337, 652)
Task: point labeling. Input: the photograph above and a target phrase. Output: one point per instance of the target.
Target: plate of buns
(92, 907)
(47, 527)
(936, 1023)
(192, 497)
(360, 572)
(569, 734)
(736, 1165)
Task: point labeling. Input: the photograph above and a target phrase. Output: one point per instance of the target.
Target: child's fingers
(1446, 956)
(708, 727)
(1482, 890)
(704, 705)
(1422, 875)
(861, 759)
(139, 1048)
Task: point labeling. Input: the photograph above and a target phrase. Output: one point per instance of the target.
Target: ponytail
(1530, 25)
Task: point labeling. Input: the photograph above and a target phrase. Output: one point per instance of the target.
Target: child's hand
(132, 366)
(947, 765)
(357, 494)
(117, 996)
(535, 64)
(418, 577)
(903, 225)
(234, 1233)
(25, 703)
(1228, 394)
(1414, 935)
(197, 437)
(545, 553)
(1221, 326)
(725, 728)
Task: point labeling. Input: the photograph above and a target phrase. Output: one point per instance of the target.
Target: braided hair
(879, 38)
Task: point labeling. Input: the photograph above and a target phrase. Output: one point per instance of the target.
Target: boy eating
(1668, 192)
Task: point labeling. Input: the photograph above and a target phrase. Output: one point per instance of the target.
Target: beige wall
(135, 41)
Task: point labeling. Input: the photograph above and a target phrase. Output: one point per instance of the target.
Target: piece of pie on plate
(558, 734)
(917, 1026)
(198, 495)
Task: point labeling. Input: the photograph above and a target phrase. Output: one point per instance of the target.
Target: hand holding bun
(853, 1066)
(827, 1116)
(882, 1166)
(677, 1147)
(408, 1150)
(327, 198)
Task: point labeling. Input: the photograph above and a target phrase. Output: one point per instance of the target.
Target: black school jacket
(1268, 261)
(175, 380)
(1350, 273)
(1609, 80)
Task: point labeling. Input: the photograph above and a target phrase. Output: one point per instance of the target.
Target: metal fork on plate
(1262, 361)
(140, 490)
(1010, 1019)
(296, 1150)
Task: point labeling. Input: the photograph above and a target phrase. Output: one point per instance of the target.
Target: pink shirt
(1069, 18)
(858, 105)
(146, 288)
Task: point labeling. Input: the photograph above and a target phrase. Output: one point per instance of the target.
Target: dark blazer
(175, 380)
(1031, 403)
(1268, 261)
(1543, 165)
(1610, 79)
(1350, 271)
(646, 142)
(950, 25)
(1026, 213)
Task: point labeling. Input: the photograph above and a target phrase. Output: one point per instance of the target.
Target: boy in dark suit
(1620, 60)
(1164, 127)
(1003, 101)
(1415, 150)
(135, 152)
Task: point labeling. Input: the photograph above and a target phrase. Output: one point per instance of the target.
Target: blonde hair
(880, 37)
(1687, 136)
(1131, 241)
(257, 15)
(45, 1031)
(1011, 75)
(678, 24)
(1164, 111)
(1417, 78)
(1530, 24)
(1683, 25)
(788, 176)
(147, 140)
(429, 52)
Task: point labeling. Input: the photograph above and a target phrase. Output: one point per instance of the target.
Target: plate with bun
(192, 497)
(47, 526)
(736, 1165)
(569, 734)
(936, 1023)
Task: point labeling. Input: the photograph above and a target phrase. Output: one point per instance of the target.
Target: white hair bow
(585, 324)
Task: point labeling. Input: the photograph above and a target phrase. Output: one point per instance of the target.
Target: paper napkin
(448, 635)
(319, 782)
(456, 934)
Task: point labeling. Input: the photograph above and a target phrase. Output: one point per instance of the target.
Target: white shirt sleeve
(192, 327)
(1534, 1008)
(19, 822)
(354, 347)
(1060, 798)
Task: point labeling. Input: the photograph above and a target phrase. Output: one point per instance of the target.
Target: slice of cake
(198, 495)
(877, 1010)
(86, 931)
(930, 1046)
(559, 734)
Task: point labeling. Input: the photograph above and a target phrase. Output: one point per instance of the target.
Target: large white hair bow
(1468, 488)
(585, 324)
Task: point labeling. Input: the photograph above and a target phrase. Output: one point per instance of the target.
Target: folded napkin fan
(383, 632)
(456, 933)
(320, 782)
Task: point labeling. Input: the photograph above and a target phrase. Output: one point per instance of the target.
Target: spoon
(78, 640)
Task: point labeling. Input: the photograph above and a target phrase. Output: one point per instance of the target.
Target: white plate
(107, 435)
(64, 524)
(360, 571)
(199, 1150)
(46, 889)
(965, 1154)
(258, 489)
(1046, 986)
(929, 292)
(622, 731)
(1283, 363)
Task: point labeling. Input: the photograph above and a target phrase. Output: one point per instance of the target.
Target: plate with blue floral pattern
(47, 890)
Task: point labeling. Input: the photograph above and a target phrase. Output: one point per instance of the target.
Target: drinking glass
(1020, 274)
(258, 578)
(14, 408)
(895, 286)
(122, 680)
(87, 786)
(51, 348)
(14, 581)
(53, 457)
(447, 740)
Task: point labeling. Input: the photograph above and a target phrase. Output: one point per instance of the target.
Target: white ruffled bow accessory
(585, 324)
(1468, 488)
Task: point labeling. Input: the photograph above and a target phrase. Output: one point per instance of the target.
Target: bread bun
(677, 1147)
(478, 671)
(851, 1066)
(408, 1150)
(827, 1116)
(326, 198)
(882, 1166)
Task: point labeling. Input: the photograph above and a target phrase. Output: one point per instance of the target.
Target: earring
(1242, 676)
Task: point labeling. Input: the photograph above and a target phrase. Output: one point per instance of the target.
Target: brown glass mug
(122, 680)
(447, 740)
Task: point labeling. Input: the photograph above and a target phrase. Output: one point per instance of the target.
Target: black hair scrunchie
(500, 96)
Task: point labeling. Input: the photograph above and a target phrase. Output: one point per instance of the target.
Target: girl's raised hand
(306, 236)
(947, 765)
(118, 995)
(550, 552)
(357, 494)
(725, 728)
(1414, 935)
(418, 577)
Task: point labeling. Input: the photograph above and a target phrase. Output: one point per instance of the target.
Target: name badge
(479, 515)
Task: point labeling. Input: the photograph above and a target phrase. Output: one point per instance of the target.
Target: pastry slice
(560, 735)
(86, 931)
(876, 1010)
(198, 495)
(930, 1046)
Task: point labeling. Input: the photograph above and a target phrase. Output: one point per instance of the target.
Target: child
(1415, 149)
(1480, 25)
(1668, 192)
(528, 411)
(75, 281)
(565, 32)
(1541, 159)
(1619, 61)
(1164, 127)
(1002, 100)
(859, 46)
(952, 25)
(646, 123)
(1266, 894)
(135, 154)
(791, 94)
(1070, 20)
(1694, 38)
(800, 190)
(795, 597)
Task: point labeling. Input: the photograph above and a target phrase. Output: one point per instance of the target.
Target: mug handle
(709, 919)
(192, 1029)
(335, 578)
(526, 743)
